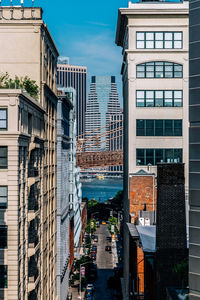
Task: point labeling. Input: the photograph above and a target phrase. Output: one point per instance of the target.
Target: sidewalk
(76, 294)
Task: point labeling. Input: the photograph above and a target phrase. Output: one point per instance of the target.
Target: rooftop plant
(24, 83)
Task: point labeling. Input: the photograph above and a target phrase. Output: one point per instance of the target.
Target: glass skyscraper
(75, 77)
(103, 102)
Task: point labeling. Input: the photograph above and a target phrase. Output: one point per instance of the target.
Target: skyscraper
(194, 159)
(75, 77)
(103, 102)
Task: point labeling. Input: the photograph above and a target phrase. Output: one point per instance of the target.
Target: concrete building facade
(154, 39)
(65, 212)
(74, 77)
(194, 140)
(29, 156)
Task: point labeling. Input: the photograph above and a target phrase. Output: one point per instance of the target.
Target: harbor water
(101, 190)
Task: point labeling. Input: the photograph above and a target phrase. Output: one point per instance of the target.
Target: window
(159, 69)
(3, 237)
(154, 156)
(3, 197)
(159, 40)
(3, 118)
(3, 157)
(3, 277)
(159, 98)
(159, 127)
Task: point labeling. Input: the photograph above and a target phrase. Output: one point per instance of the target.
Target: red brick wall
(83, 220)
(71, 242)
(141, 193)
(140, 269)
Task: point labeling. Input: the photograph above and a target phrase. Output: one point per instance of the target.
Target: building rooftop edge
(18, 93)
(71, 66)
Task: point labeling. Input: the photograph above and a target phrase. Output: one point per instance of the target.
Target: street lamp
(80, 275)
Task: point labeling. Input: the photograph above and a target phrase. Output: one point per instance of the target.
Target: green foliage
(181, 270)
(91, 229)
(92, 203)
(25, 83)
(113, 221)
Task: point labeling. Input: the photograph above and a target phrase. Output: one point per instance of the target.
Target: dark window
(178, 127)
(168, 127)
(29, 123)
(159, 127)
(154, 156)
(3, 118)
(140, 156)
(3, 197)
(3, 237)
(140, 127)
(149, 127)
(3, 277)
(3, 157)
(150, 157)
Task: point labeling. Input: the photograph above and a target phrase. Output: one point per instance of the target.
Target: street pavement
(105, 266)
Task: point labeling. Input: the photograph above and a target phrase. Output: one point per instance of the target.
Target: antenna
(33, 3)
(22, 2)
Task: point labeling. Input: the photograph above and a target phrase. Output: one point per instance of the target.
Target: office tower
(75, 77)
(28, 157)
(194, 150)
(154, 41)
(102, 103)
(115, 138)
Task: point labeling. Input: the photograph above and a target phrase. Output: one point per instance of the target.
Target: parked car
(108, 248)
(96, 238)
(92, 236)
(94, 248)
(93, 256)
(108, 238)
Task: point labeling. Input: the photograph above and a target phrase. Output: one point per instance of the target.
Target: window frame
(164, 153)
(174, 100)
(163, 128)
(163, 40)
(4, 109)
(5, 273)
(156, 64)
(4, 207)
(6, 246)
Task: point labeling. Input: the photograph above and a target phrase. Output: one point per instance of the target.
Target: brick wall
(141, 194)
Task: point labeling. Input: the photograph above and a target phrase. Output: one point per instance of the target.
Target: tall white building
(103, 101)
(154, 41)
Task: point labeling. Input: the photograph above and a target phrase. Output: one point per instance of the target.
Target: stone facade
(28, 50)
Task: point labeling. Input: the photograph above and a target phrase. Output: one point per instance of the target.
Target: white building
(154, 41)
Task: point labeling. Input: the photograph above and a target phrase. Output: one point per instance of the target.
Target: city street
(105, 266)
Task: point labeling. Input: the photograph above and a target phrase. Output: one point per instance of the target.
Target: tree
(25, 83)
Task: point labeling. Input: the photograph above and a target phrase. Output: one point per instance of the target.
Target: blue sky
(84, 31)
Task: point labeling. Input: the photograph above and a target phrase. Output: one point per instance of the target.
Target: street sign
(83, 271)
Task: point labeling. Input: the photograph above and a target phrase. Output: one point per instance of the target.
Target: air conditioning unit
(141, 221)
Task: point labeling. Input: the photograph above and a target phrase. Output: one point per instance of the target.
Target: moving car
(108, 248)
(103, 223)
(96, 238)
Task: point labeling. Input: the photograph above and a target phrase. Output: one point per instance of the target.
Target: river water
(101, 190)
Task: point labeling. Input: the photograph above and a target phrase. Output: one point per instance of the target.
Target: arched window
(159, 69)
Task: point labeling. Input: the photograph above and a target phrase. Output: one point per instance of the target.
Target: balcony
(32, 235)
(33, 273)
(33, 171)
